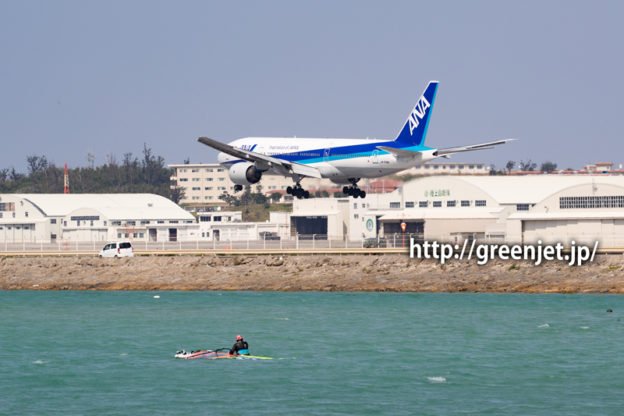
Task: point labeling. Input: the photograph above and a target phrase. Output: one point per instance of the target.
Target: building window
(196, 188)
(355, 205)
(480, 203)
(183, 179)
(26, 214)
(395, 205)
(615, 201)
(195, 179)
(140, 235)
(437, 204)
(522, 207)
(409, 204)
(465, 203)
(53, 221)
(118, 235)
(173, 222)
(423, 204)
(194, 170)
(216, 218)
(7, 206)
(451, 204)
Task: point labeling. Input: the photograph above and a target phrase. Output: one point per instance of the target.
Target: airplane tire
(306, 194)
(362, 194)
(289, 190)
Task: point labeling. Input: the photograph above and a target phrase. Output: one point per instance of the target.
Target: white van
(119, 249)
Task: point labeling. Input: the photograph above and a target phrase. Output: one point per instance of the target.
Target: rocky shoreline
(385, 272)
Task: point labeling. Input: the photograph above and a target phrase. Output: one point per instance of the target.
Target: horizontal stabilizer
(469, 148)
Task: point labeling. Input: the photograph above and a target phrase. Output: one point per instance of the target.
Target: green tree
(548, 167)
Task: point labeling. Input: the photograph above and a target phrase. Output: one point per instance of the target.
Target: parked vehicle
(268, 235)
(117, 249)
(375, 243)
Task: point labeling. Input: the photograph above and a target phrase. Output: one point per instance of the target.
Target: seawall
(387, 272)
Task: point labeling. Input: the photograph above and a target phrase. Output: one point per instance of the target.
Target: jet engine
(245, 173)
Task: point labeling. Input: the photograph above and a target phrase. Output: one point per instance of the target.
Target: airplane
(343, 161)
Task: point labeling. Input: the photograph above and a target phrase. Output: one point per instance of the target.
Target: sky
(109, 78)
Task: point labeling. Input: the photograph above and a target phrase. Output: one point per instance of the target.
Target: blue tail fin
(415, 128)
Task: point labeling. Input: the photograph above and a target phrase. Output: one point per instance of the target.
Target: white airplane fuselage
(335, 159)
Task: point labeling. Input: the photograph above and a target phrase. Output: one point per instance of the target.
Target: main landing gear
(353, 190)
(298, 191)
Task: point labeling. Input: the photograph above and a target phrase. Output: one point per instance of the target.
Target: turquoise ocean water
(111, 353)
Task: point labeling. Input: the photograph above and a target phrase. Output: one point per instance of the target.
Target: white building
(203, 183)
(45, 218)
(228, 226)
(512, 209)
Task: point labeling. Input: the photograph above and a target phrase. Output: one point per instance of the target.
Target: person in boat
(240, 347)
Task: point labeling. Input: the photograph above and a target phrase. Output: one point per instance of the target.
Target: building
(229, 226)
(45, 218)
(497, 209)
(204, 183)
(447, 168)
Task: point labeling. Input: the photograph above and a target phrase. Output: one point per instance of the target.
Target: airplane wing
(469, 148)
(263, 162)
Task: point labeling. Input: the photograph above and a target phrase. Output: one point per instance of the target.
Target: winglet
(415, 128)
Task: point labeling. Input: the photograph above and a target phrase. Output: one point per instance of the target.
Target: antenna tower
(66, 181)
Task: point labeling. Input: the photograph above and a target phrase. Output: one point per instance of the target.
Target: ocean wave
(437, 379)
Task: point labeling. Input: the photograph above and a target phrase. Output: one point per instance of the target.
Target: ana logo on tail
(418, 113)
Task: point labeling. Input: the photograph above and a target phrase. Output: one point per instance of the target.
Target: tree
(177, 193)
(548, 167)
(231, 200)
(36, 164)
(528, 165)
(275, 197)
(510, 165)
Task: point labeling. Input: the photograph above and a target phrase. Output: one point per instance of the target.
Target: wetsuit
(240, 347)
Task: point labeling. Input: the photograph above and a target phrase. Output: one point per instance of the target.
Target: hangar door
(585, 231)
(308, 225)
